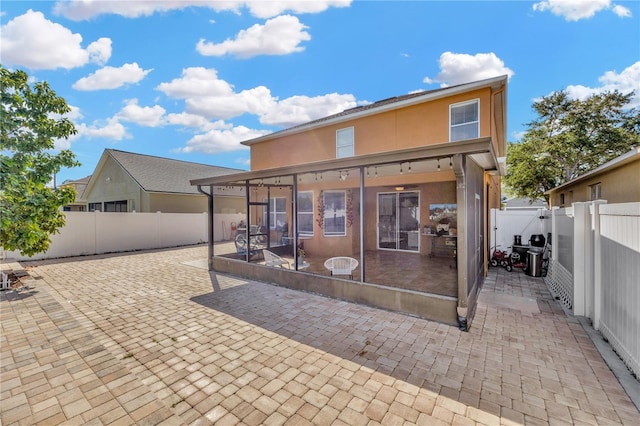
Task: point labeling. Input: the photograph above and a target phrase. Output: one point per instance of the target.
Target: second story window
(344, 143)
(464, 119)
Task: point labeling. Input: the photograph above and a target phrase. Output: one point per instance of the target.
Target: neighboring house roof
(524, 203)
(158, 174)
(633, 155)
(383, 105)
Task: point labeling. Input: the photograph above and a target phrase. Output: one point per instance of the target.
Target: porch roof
(480, 150)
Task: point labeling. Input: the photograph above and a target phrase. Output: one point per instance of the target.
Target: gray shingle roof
(158, 174)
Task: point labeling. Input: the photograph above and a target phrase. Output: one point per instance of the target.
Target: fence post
(597, 264)
(579, 230)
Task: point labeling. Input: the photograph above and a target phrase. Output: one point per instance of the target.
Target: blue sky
(192, 79)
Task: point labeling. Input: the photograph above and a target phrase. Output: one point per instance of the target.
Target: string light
(438, 164)
(409, 171)
(450, 163)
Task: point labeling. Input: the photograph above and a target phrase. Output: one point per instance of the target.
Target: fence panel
(95, 233)
(507, 223)
(620, 289)
(560, 274)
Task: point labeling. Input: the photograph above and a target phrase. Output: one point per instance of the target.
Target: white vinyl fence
(88, 233)
(505, 224)
(595, 270)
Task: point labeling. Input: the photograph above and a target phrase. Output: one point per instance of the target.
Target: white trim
(324, 216)
(312, 213)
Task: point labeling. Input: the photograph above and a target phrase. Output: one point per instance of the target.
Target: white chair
(272, 259)
(341, 265)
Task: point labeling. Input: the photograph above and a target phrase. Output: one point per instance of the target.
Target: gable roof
(158, 174)
(388, 104)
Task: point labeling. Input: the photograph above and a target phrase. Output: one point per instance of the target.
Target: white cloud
(302, 109)
(208, 96)
(458, 68)
(625, 82)
(34, 42)
(112, 78)
(100, 51)
(574, 10)
(112, 129)
(143, 116)
(215, 141)
(621, 11)
(86, 9)
(267, 9)
(185, 119)
(196, 81)
(278, 36)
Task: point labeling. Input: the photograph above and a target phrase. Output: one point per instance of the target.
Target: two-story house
(403, 186)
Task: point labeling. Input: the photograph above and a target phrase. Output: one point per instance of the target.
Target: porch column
(362, 216)
(463, 233)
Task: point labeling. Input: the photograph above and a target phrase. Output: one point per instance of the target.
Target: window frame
(343, 232)
(273, 215)
(350, 145)
(477, 120)
(306, 213)
(597, 188)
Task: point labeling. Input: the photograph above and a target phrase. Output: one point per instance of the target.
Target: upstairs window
(344, 143)
(464, 119)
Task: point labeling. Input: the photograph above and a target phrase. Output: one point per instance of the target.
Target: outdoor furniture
(341, 265)
(241, 246)
(272, 259)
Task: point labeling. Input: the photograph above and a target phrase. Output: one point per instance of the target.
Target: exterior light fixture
(438, 164)
(450, 163)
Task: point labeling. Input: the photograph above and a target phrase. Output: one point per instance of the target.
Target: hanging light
(438, 164)
(409, 171)
(376, 171)
(450, 163)
(400, 168)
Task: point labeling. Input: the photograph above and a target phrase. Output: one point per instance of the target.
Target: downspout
(209, 225)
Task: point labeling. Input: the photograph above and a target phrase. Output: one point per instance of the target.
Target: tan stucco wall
(410, 127)
(112, 183)
(620, 185)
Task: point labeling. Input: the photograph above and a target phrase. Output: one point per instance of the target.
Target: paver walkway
(150, 338)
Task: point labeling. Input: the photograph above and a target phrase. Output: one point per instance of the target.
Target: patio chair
(272, 259)
(341, 265)
(241, 246)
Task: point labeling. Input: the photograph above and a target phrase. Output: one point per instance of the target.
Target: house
(79, 205)
(129, 182)
(524, 204)
(616, 181)
(403, 186)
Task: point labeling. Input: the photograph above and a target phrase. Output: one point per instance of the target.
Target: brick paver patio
(152, 338)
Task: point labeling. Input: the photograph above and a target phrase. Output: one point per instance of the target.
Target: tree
(29, 124)
(569, 138)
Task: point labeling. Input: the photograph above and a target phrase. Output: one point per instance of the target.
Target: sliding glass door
(399, 221)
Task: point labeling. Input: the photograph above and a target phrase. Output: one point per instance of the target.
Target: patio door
(399, 221)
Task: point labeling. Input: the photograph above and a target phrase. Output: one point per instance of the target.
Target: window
(277, 212)
(305, 213)
(95, 207)
(115, 206)
(344, 143)
(562, 199)
(464, 121)
(596, 191)
(335, 212)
